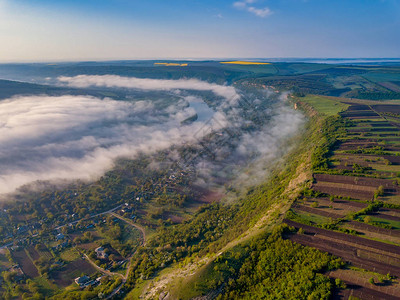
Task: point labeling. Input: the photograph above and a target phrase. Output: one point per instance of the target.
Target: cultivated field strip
(366, 164)
(357, 181)
(370, 228)
(362, 289)
(356, 240)
(25, 263)
(348, 251)
(317, 211)
(334, 189)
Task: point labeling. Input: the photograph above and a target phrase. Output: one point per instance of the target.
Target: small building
(126, 210)
(59, 236)
(82, 280)
(100, 252)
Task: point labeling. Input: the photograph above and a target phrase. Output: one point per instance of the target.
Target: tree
(367, 219)
(112, 257)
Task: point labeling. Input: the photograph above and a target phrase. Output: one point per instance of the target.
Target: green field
(394, 224)
(382, 77)
(324, 105)
(69, 255)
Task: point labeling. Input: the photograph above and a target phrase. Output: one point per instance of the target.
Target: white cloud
(80, 137)
(246, 5)
(71, 137)
(260, 12)
(116, 81)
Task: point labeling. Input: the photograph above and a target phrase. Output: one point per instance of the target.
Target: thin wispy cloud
(147, 84)
(248, 6)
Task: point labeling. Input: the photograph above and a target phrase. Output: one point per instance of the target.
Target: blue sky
(48, 30)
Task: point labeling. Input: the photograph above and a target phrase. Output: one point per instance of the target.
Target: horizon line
(199, 59)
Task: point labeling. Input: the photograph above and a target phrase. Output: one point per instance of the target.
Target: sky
(73, 30)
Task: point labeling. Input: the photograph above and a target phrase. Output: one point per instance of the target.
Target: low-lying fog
(79, 137)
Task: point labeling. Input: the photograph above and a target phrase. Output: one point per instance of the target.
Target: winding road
(106, 272)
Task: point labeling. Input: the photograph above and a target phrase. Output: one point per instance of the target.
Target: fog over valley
(72, 137)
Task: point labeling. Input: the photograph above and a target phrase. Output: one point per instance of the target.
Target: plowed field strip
(390, 211)
(26, 264)
(317, 211)
(386, 216)
(371, 228)
(362, 195)
(356, 241)
(358, 181)
(347, 186)
(360, 287)
(346, 252)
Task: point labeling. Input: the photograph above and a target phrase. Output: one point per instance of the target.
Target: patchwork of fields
(352, 209)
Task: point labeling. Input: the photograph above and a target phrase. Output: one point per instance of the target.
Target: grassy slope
(284, 187)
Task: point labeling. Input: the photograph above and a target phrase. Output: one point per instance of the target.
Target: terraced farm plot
(390, 212)
(309, 216)
(362, 288)
(367, 156)
(317, 213)
(346, 246)
(373, 235)
(25, 263)
(388, 108)
(356, 181)
(378, 218)
(338, 207)
(360, 114)
(345, 190)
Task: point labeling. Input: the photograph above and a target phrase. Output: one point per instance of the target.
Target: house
(82, 280)
(126, 210)
(100, 252)
(59, 236)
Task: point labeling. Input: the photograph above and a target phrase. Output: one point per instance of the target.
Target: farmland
(245, 63)
(352, 207)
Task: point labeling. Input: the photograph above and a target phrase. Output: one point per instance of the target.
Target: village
(82, 254)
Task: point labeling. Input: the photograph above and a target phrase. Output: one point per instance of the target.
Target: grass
(394, 224)
(317, 219)
(46, 286)
(130, 233)
(137, 291)
(69, 255)
(324, 105)
(385, 168)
